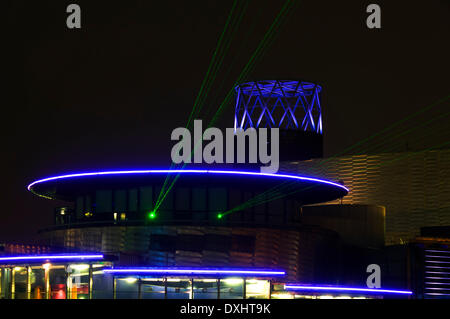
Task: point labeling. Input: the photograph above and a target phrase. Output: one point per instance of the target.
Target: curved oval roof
(305, 189)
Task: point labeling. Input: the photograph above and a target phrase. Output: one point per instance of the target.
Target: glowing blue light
(49, 257)
(195, 271)
(188, 171)
(438, 251)
(346, 289)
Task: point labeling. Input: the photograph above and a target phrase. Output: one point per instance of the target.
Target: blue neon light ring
(187, 171)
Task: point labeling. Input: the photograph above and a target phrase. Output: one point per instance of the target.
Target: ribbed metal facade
(297, 251)
(413, 186)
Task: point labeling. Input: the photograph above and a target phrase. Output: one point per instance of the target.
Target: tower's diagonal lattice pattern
(283, 104)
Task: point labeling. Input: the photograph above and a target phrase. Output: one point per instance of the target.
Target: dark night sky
(108, 96)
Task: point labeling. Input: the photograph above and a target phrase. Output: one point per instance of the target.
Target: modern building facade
(412, 186)
(213, 233)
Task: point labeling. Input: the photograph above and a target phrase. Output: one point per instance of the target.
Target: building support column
(165, 287)
(139, 288)
(244, 289)
(91, 280)
(192, 288)
(13, 284)
(218, 288)
(68, 283)
(28, 282)
(114, 287)
(1, 282)
(47, 282)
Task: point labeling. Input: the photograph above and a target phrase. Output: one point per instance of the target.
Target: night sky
(108, 95)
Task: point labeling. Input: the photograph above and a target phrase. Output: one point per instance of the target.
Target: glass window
(257, 289)
(199, 199)
(152, 288)
(205, 288)
(178, 288)
(37, 283)
(120, 200)
(102, 285)
(88, 207)
(232, 288)
(103, 201)
(146, 199)
(79, 207)
(78, 281)
(217, 199)
(5, 280)
(133, 200)
(127, 288)
(167, 203)
(20, 282)
(182, 199)
(57, 283)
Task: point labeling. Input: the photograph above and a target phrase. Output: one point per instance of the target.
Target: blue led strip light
(50, 257)
(195, 271)
(294, 177)
(346, 289)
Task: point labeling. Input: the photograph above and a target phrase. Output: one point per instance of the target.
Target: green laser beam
(204, 82)
(255, 54)
(277, 188)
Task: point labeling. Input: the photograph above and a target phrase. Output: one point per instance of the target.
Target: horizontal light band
(440, 267)
(438, 288)
(195, 271)
(438, 251)
(188, 171)
(436, 294)
(50, 257)
(436, 256)
(437, 261)
(347, 289)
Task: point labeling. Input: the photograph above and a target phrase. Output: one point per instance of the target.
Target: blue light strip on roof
(50, 257)
(345, 289)
(194, 271)
(178, 171)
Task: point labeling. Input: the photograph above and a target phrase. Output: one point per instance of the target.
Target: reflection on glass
(232, 288)
(205, 288)
(78, 283)
(37, 280)
(127, 288)
(5, 279)
(257, 289)
(102, 285)
(58, 282)
(178, 288)
(20, 282)
(152, 288)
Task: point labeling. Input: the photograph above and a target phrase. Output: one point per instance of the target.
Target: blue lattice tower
(286, 104)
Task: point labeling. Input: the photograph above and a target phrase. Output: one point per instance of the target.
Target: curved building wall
(413, 186)
(357, 225)
(297, 251)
